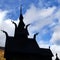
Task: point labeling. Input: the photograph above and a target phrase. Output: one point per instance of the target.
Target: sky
(43, 15)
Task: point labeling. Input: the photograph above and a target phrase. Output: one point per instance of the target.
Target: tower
(21, 23)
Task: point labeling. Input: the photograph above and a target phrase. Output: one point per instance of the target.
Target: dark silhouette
(8, 45)
(20, 47)
(57, 57)
(14, 24)
(26, 29)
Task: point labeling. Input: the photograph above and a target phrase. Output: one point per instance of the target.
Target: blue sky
(43, 15)
(14, 5)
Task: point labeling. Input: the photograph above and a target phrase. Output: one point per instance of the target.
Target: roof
(31, 47)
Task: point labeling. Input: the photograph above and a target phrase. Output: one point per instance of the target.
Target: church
(20, 47)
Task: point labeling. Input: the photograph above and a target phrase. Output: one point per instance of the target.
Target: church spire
(21, 16)
(21, 22)
(21, 9)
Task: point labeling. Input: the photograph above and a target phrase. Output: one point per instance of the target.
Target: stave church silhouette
(20, 47)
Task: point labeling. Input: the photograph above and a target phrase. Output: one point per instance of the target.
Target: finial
(21, 16)
(14, 24)
(4, 32)
(21, 9)
(49, 47)
(27, 26)
(35, 35)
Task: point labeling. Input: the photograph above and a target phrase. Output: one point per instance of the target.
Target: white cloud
(55, 38)
(38, 17)
(34, 13)
(6, 25)
(2, 16)
(47, 12)
(2, 39)
(2, 36)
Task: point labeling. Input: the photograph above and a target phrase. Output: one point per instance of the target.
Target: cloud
(2, 16)
(55, 38)
(34, 13)
(6, 25)
(2, 39)
(38, 17)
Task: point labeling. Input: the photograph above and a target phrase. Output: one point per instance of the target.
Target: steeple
(21, 9)
(21, 23)
(21, 16)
